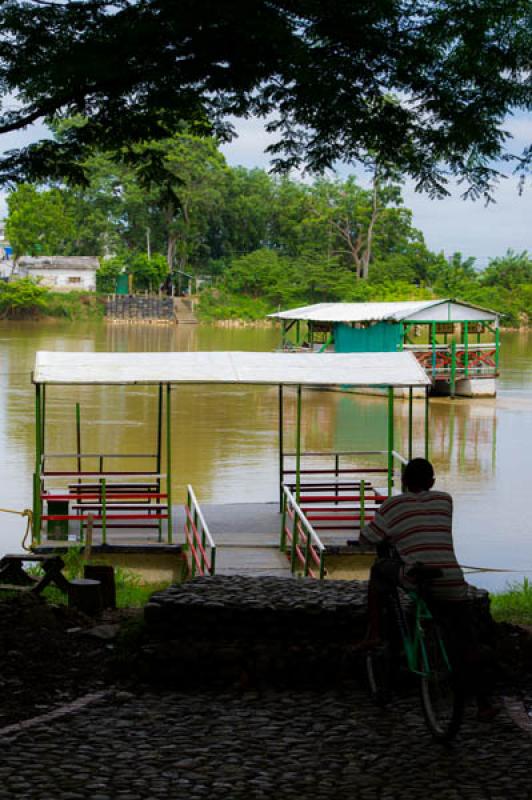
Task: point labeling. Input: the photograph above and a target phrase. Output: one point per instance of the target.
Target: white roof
(370, 312)
(317, 369)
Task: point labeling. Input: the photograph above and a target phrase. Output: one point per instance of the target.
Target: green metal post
(401, 336)
(37, 482)
(293, 552)
(159, 449)
(78, 437)
(497, 346)
(169, 459)
(307, 554)
(281, 445)
(453, 368)
(410, 421)
(104, 511)
(390, 440)
(43, 420)
(466, 349)
(426, 422)
(282, 542)
(362, 503)
(213, 560)
(433, 338)
(298, 332)
(298, 445)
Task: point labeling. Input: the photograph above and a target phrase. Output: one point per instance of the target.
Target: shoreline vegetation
(24, 299)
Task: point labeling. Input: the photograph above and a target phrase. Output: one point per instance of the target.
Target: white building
(62, 273)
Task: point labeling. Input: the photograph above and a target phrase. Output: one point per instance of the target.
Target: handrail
(305, 545)
(198, 537)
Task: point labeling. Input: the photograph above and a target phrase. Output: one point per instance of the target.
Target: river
(226, 438)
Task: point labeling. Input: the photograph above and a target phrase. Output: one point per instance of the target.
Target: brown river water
(225, 439)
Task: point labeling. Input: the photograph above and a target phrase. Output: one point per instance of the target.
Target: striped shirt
(419, 526)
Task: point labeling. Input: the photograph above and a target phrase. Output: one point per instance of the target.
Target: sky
(449, 225)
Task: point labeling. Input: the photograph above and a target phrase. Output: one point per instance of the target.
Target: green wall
(379, 338)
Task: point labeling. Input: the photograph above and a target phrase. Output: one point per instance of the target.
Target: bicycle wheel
(442, 695)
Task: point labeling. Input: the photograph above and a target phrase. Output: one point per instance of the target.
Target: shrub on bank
(513, 605)
(25, 299)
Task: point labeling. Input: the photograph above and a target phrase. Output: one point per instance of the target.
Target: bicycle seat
(423, 574)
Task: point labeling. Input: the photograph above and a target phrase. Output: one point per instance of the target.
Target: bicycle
(425, 646)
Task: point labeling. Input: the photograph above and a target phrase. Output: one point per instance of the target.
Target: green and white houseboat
(456, 343)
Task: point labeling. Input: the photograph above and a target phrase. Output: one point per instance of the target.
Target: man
(417, 524)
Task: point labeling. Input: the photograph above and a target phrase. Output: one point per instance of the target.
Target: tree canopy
(420, 84)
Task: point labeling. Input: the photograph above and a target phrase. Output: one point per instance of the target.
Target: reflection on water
(225, 439)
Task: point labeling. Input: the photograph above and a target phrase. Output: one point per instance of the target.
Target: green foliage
(25, 299)
(148, 273)
(40, 222)
(428, 85)
(510, 271)
(107, 274)
(514, 604)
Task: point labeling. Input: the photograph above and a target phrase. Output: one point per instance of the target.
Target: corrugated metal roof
(317, 369)
(59, 262)
(356, 312)
(375, 312)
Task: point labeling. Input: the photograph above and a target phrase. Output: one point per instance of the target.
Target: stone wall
(261, 630)
(139, 308)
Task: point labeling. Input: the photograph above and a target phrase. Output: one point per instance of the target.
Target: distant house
(62, 273)
(5, 248)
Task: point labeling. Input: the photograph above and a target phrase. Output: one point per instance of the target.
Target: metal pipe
(159, 446)
(453, 369)
(497, 346)
(298, 444)
(410, 420)
(169, 459)
(43, 421)
(426, 422)
(78, 436)
(37, 481)
(434, 342)
(104, 512)
(390, 440)
(281, 445)
(466, 349)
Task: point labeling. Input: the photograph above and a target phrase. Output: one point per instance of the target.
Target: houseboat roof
(303, 369)
(442, 310)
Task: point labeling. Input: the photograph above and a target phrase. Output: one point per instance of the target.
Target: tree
(184, 174)
(510, 271)
(40, 222)
(426, 85)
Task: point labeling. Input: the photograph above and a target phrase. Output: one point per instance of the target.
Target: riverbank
(26, 300)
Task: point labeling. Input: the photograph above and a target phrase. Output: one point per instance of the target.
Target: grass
(131, 590)
(514, 604)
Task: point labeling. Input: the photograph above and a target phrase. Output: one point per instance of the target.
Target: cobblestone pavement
(267, 744)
